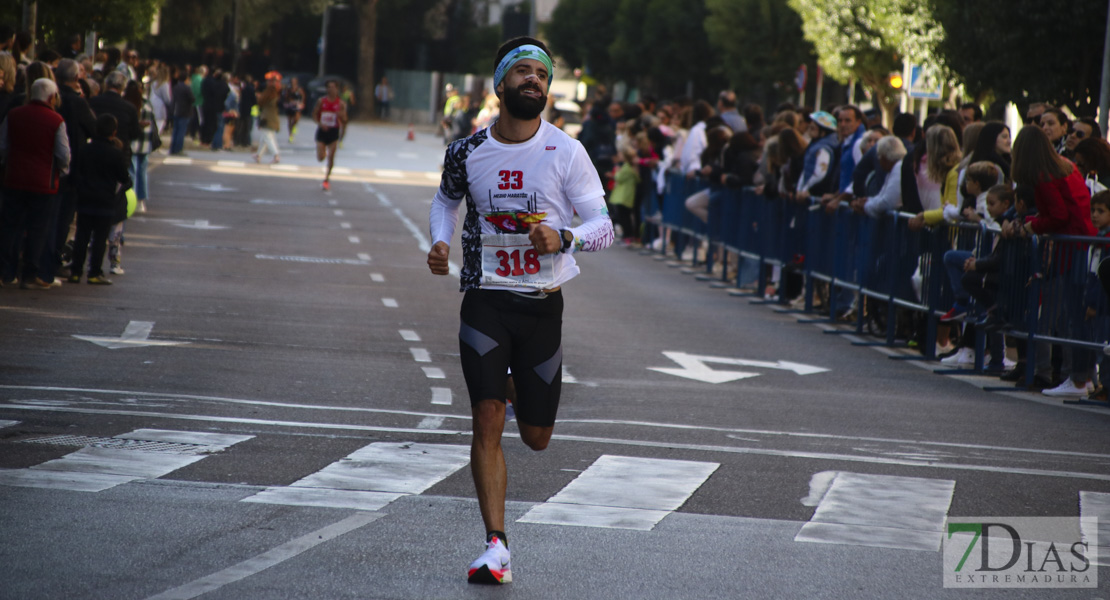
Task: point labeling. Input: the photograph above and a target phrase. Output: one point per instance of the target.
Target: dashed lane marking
(421, 355)
(354, 239)
(364, 256)
(434, 373)
(390, 302)
(378, 277)
(344, 225)
(409, 335)
(441, 396)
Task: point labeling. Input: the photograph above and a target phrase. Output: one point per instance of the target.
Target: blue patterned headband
(518, 54)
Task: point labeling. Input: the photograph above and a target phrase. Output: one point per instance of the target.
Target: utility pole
(1104, 97)
(324, 41)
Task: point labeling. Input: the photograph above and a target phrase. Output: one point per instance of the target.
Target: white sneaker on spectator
(1068, 389)
(963, 357)
(116, 269)
(945, 349)
(1008, 364)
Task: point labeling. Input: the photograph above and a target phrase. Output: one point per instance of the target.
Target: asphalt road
(269, 404)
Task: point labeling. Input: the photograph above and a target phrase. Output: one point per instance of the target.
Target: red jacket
(1063, 207)
(33, 164)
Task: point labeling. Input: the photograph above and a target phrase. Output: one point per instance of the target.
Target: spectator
(726, 107)
(820, 157)
(383, 94)
(1033, 114)
(696, 139)
(269, 118)
(981, 176)
(1063, 208)
(970, 113)
(248, 99)
(129, 128)
(196, 124)
(293, 100)
(1081, 129)
(104, 178)
(183, 112)
(890, 152)
(850, 127)
(1092, 158)
(943, 159)
(225, 122)
(161, 96)
(144, 144)
(80, 126)
(7, 82)
(712, 170)
(74, 49)
(599, 138)
(622, 199)
(1097, 308)
(1055, 124)
(35, 146)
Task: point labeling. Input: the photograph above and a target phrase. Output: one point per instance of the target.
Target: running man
(330, 115)
(523, 180)
(294, 104)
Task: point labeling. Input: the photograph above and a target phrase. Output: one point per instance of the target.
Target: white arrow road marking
(694, 367)
(134, 335)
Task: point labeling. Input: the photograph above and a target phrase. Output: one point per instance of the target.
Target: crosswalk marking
(623, 492)
(371, 477)
(1097, 505)
(882, 511)
(95, 469)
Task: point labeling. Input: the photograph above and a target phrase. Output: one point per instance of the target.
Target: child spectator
(979, 277)
(1095, 302)
(104, 178)
(980, 177)
(623, 196)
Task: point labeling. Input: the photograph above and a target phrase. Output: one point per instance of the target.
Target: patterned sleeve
(444, 215)
(583, 189)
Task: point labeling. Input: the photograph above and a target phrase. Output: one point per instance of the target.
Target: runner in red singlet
(330, 115)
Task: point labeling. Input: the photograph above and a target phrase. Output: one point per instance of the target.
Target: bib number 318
(510, 263)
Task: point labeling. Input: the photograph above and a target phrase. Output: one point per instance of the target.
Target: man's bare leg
(331, 160)
(487, 462)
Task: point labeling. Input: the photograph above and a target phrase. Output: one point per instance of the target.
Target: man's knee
(535, 438)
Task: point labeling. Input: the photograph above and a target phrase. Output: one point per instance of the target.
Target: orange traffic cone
(411, 136)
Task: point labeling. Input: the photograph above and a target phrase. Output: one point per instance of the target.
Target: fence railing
(1043, 285)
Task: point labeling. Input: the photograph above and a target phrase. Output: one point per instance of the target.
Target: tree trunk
(367, 33)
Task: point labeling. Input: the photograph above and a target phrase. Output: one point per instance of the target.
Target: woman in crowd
(1055, 125)
(943, 159)
(1092, 158)
(1063, 208)
(161, 96)
(141, 147)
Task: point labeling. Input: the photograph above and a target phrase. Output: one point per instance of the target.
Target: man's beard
(523, 107)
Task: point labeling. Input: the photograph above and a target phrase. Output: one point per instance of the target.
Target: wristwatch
(568, 239)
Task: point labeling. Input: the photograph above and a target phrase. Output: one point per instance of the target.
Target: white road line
(388, 173)
(366, 153)
(441, 396)
(409, 155)
(364, 256)
(420, 355)
(433, 176)
(285, 167)
(354, 239)
(267, 559)
(174, 160)
(430, 423)
(338, 212)
(333, 203)
(383, 199)
(231, 163)
(344, 225)
(4, 424)
(600, 496)
(406, 334)
(340, 171)
(378, 277)
(390, 302)
(434, 373)
(882, 511)
(95, 469)
(1096, 505)
(378, 474)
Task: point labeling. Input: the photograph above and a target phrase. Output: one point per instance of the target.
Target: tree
(990, 46)
(580, 32)
(664, 42)
(114, 19)
(868, 39)
(758, 44)
(368, 30)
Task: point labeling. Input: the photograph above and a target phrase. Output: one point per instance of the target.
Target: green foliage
(190, 23)
(868, 39)
(580, 32)
(662, 46)
(758, 43)
(1051, 51)
(116, 20)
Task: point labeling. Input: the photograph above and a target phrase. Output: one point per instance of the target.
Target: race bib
(329, 119)
(508, 259)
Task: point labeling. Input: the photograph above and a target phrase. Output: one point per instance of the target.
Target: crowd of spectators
(76, 135)
(1051, 178)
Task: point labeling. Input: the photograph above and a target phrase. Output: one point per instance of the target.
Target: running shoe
(957, 311)
(98, 280)
(327, 186)
(116, 269)
(492, 566)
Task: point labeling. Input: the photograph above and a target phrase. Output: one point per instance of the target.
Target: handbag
(155, 139)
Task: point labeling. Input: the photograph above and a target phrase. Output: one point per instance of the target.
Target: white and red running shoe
(492, 566)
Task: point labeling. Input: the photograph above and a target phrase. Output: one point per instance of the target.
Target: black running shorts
(502, 329)
(327, 136)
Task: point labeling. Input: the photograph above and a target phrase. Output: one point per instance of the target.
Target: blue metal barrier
(1039, 292)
